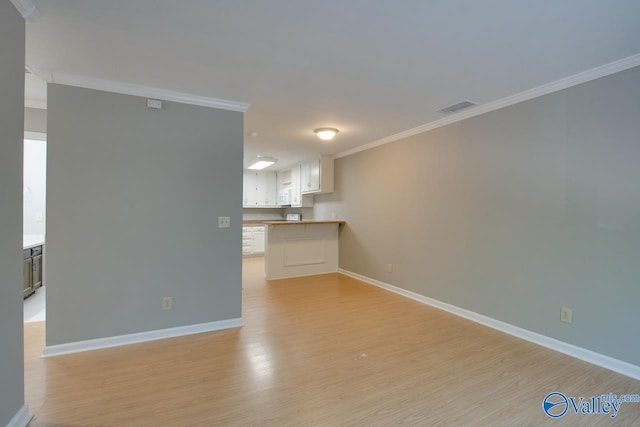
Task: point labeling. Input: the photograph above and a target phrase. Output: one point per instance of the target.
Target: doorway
(34, 226)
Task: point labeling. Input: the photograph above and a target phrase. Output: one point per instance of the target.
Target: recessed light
(326, 134)
(261, 162)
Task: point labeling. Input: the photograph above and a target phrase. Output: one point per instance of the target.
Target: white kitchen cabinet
(316, 176)
(259, 190)
(283, 187)
(258, 240)
(249, 189)
(252, 240)
(283, 179)
(310, 176)
(267, 193)
(247, 240)
(299, 200)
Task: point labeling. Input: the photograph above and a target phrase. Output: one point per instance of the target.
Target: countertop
(32, 240)
(308, 222)
(254, 222)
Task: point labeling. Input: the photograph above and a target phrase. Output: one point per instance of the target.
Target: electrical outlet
(224, 221)
(154, 103)
(389, 268)
(167, 303)
(566, 315)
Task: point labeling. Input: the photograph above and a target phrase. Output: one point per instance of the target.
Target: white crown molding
(589, 356)
(119, 340)
(27, 9)
(21, 418)
(565, 83)
(139, 90)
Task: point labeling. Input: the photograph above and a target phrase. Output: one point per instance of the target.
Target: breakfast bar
(301, 248)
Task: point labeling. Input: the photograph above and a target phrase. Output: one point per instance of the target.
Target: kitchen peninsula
(300, 248)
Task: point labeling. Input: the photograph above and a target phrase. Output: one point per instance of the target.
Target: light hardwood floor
(318, 351)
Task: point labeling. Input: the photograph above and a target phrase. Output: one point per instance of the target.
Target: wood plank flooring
(318, 351)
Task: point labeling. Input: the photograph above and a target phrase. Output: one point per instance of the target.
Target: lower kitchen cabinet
(31, 270)
(36, 267)
(253, 240)
(27, 274)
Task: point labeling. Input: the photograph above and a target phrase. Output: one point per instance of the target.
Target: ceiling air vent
(457, 107)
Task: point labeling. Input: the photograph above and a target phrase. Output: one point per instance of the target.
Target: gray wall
(11, 133)
(132, 206)
(511, 214)
(35, 120)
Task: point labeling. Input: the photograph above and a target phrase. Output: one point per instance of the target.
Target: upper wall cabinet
(283, 187)
(316, 176)
(259, 190)
(299, 200)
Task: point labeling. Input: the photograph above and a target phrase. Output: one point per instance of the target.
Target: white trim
(119, 340)
(21, 418)
(589, 356)
(567, 82)
(38, 136)
(35, 103)
(27, 9)
(139, 90)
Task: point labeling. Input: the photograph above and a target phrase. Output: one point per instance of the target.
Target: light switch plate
(224, 221)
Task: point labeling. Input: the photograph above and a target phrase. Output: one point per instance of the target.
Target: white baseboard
(21, 418)
(592, 357)
(116, 341)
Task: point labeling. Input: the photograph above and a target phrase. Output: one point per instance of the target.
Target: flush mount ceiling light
(261, 162)
(326, 134)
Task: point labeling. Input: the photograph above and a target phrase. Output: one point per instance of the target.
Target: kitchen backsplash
(274, 214)
(262, 214)
(307, 213)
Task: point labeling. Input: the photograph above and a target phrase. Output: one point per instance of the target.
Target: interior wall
(34, 187)
(35, 120)
(133, 199)
(511, 214)
(12, 45)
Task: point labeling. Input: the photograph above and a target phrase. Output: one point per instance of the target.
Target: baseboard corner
(21, 418)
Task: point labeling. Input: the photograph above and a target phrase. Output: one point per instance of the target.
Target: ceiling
(371, 68)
